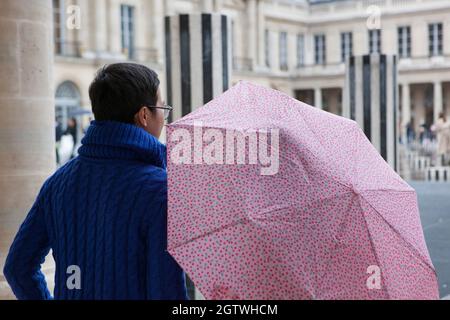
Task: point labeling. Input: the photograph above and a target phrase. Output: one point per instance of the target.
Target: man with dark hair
(104, 213)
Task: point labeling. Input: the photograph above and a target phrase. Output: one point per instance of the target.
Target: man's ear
(141, 117)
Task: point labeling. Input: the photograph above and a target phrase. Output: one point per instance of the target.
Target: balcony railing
(140, 54)
(68, 48)
(242, 64)
(74, 49)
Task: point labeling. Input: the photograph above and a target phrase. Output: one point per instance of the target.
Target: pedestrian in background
(442, 131)
(58, 136)
(410, 135)
(72, 131)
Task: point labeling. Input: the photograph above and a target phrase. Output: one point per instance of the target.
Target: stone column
(98, 27)
(114, 31)
(207, 5)
(417, 106)
(251, 31)
(406, 104)
(372, 101)
(169, 8)
(318, 98)
(437, 100)
(292, 51)
(218, 5)
(157, 24)
(83, 32)
(70, 34)
(27, 129)
(198, 60)
(274, 50)
(260, 35)
(406, 108)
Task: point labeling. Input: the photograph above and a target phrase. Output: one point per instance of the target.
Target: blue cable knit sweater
(106, 213)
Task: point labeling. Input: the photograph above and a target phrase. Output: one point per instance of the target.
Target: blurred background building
(296, 46)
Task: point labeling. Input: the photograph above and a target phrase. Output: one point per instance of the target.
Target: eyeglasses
(166, 109)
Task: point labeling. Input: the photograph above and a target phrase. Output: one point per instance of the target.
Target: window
(127, 26)
(300, 50)
(320, 49)
(58, 26)
(67, 100)
(435, 39)
(283, 51)
(267, 47)
(346, 45)
(404, 41)
(375, 41)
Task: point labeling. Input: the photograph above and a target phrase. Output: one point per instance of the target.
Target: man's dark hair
(119, 90)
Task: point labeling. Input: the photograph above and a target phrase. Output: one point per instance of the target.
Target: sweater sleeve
(28, 251)
(165, 278)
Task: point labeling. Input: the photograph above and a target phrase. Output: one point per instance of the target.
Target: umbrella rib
(360, 134)
(327, 151)
(390, 190)
(331, 196)
(247, 219)
(328, 263)
(208, 233)
(355, 156)
(218, 228)
(372, 243)
(409, 245)
(349, 188)
(387, 190)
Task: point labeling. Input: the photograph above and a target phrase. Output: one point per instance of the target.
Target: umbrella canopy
(270, 198)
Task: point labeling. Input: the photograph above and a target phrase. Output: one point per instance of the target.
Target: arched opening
(67, 100)
(68, 113)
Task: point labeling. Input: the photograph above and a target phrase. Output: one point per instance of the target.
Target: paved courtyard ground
(434, 203)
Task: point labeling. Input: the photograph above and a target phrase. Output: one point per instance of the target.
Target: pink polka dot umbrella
(270, 198)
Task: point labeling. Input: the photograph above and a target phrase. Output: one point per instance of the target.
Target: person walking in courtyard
(442, 130)
(72, 130)
(104, 213)
(58, 136)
